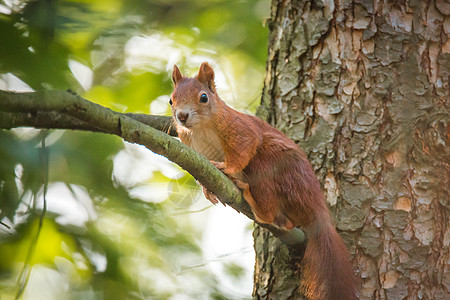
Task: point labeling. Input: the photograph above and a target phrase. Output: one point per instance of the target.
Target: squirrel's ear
(176, 75)
(206, 75)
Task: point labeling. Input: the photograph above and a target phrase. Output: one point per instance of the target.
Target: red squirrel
(273, 173)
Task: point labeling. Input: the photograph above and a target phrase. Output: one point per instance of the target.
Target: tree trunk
(363, 87)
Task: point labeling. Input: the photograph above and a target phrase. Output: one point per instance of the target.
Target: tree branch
(162, 123)
(63, 110)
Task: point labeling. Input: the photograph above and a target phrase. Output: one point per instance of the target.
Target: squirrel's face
(193, 99)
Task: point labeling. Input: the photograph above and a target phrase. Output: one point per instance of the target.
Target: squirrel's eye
(170, 101)
(203, 98)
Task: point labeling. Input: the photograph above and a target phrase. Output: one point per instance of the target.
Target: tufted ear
(206, 75)
(176, 75)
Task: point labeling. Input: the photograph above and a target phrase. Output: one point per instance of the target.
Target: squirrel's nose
(182, 116)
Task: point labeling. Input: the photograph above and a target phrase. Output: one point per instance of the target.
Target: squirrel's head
(194, 99)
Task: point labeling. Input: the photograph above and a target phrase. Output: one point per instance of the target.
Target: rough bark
(363, 87)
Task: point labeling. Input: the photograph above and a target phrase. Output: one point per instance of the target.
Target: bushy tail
(326, 268)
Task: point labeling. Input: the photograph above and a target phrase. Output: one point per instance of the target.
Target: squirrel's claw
(243, 186)
(227, 171)
(210, 196)
(219, 165)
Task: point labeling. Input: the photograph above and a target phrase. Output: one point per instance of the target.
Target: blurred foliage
(122, 223)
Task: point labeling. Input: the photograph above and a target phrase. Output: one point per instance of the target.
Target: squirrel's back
(278, 182)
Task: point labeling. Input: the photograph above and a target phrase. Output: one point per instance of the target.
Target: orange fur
(277, 180)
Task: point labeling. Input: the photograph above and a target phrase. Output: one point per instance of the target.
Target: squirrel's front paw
(243, 186)
(231, 172)
(210, 196)
(219, 165)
